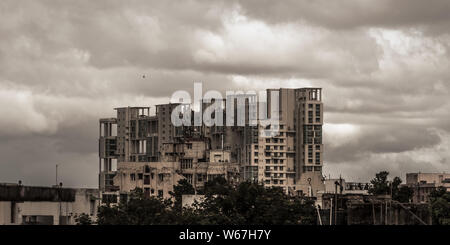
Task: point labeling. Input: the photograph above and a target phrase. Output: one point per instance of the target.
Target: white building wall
(82, 204)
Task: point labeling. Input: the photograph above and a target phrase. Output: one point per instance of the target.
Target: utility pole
(331, 212)
(318, 214)
(56, 176)
(386, 214)
(336, 183)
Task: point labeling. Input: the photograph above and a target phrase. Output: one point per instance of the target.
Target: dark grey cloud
(380, 139)
(348, 14)
(384, 66)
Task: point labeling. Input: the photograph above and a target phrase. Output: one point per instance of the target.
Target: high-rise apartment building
(135, 147)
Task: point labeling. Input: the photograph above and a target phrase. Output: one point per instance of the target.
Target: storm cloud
(384, 67)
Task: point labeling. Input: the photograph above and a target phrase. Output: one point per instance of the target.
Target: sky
(384, 67)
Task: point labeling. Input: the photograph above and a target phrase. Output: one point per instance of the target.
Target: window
(109, 198)
(189, 146)
(161, 177)
(140, 176)
(160, 193)
(132, 177)
(199, 177)
(146, 179)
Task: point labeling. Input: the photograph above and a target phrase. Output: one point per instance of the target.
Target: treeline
(245, 204)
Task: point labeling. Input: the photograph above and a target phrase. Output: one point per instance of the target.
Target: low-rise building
(340, 186)
(423, 184)
(32, 205)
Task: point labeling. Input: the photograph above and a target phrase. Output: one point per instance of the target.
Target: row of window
(274, 140)
(275, 182)
(275, 161)
(186, 163)
(311, 168)
(148, 192)
(275, 168)
(275, 175)
(146, 177)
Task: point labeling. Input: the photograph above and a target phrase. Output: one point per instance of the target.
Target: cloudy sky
(384, 67)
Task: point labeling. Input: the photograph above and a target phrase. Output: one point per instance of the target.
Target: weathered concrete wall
(21, 201)
(31, 193)
(156, 176)
(189, 200)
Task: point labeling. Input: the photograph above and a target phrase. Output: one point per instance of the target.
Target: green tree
(403, 194)
(251, 203)
(247, 203)
(217, 186)
(138, 210)
(83, 219)
(440, 206)
(381, 186)
(182, 188)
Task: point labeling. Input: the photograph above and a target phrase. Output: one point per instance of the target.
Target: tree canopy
(440, 206)
(247, 203)
(382, 186)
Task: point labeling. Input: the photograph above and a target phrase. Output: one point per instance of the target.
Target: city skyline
(384, 76)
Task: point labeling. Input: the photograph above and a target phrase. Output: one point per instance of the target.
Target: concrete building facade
(292, 159)
(423, 184)
(31, 205)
